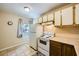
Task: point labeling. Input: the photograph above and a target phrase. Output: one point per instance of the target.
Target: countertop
(68, 40)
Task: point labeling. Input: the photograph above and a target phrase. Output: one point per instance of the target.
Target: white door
(44, 18)
(77, 14)
(67, 16)
(50, 16)
(40, 20)
(57, 18)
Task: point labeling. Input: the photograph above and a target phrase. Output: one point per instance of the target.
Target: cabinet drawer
(54, 43)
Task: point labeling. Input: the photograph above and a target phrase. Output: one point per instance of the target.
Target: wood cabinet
(68, 50)
(55, 49)
(64, 16)
(40, 20)
(58, 18)
(44, 18)
(61, 49)
(76, 14)
(50, 17)
(67, 16)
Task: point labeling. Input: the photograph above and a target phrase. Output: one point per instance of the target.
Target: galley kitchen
(39, 29)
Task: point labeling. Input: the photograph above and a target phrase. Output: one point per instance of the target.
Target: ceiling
(36, 8)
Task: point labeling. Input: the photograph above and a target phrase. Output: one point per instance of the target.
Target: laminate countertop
(67, 40)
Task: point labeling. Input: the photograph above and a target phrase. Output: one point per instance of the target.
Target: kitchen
(63, 23)
(53, 33)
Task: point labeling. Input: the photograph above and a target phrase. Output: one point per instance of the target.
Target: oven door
(43, 42)
(43, 45)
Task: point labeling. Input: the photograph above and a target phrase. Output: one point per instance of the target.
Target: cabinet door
(40, 20)
(61, 49)
(67, 16)
(68, 50)
(55, 48)
(44, 18)
(55, 51)
(50, 17)
(77, 14)
(57, 18)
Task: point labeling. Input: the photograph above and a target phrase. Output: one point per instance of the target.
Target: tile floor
(23, 50)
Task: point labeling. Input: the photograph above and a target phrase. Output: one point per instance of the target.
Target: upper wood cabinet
(40, 20)
(57, 18)
(77, 14)
(50, 17)
(67, 16)
(44, 18)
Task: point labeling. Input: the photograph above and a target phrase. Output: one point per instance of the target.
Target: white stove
(44, 44)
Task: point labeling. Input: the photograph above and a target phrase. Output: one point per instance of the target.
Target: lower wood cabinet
(55, 48)
(61, 49)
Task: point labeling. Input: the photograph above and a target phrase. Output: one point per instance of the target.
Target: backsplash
(65, 31)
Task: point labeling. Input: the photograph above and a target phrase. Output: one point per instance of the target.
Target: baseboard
(12, 46)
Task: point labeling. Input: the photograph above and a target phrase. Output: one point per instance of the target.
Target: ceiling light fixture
(27, 9)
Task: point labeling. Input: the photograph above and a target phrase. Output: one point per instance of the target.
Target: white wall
(8, 33)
